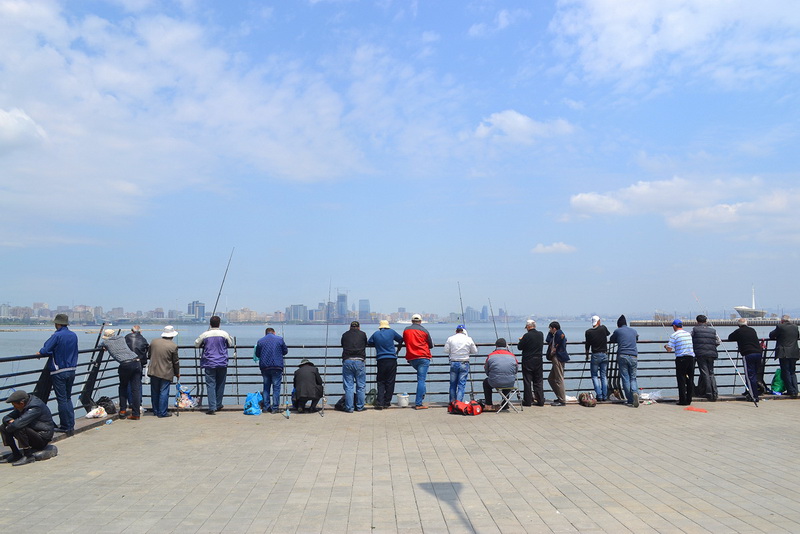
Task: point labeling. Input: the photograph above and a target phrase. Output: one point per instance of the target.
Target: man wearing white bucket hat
(164, 365)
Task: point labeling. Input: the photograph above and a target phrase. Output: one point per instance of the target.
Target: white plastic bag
(96, 413)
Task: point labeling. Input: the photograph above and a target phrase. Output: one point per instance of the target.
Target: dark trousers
(751, 364)
(387, 372)
(533, 382)
(789, 374)
(130, 380)
(27, 438)
(301, 403)
(488, 390)
(707, 382)
(62, 387)
(684, 372)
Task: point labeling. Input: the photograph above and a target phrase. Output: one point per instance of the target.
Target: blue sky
(558, 157)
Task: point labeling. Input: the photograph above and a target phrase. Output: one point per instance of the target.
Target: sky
(556, 157)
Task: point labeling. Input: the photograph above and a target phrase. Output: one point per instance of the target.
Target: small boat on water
(750, 312)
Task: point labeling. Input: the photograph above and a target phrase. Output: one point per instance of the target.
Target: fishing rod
(735, 367)
(469, 367)
(286, 412)
(508, 328)
(496, 335)
(325, 365)
(214, 312)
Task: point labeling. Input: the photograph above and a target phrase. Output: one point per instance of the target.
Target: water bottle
(109, 421)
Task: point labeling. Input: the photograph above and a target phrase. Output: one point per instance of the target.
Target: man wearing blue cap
(459, 347)
(680, 342)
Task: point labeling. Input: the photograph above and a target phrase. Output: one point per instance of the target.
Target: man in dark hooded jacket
(705, 341)
(27, 428)
(307, 386)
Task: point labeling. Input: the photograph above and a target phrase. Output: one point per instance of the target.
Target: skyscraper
(363, 310)
(341, 307)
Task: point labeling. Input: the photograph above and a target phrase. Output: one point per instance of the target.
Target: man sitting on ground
(29, 424)
(501, 371)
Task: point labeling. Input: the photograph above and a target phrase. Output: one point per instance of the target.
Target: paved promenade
(658, 468)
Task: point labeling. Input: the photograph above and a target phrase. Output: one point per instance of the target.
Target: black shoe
(59, 430)
(25, 460)
(11, 457)
(378, 407)
(557, 403)
(168, 414)
(211, 412)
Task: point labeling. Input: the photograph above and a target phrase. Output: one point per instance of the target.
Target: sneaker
(557, 403)
(635, 400)
(421, 407)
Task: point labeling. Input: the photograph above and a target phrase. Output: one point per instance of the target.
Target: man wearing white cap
(384, 340)
(418, 354)
(597, 343)
(164, 365)
(459, 347)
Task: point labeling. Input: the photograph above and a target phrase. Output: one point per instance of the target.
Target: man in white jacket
(459, 347)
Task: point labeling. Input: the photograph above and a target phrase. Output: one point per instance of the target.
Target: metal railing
(96, 374)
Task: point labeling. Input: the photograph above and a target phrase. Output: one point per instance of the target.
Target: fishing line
(224, 276)
(469, 368)
(325, 359)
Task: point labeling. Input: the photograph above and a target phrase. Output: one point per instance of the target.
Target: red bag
(463, 408)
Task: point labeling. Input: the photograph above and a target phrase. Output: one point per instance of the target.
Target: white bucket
(402, 400)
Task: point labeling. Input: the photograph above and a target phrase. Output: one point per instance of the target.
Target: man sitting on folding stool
(501, 374)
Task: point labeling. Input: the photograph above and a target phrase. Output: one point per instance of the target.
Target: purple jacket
(215, 343)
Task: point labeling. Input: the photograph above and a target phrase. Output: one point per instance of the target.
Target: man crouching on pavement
(30, 424)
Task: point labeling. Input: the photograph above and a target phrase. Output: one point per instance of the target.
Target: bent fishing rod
(214, 312)
(496, 335)
(325, 365)
(735, 367)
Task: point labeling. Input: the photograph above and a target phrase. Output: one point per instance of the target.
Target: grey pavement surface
(658, 468)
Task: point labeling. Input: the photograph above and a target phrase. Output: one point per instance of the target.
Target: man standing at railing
(269, 353)
(628, 357)
(164, 365)
(138, 344)
(787, 352)
(214, 361)
(384, 340)
(558, 356)
(705, 341)
(459, 347)
(62, 348)
(596, 341)
(680, 342)
(354, 375)
(418, 354)
(749, 346)
(531, 345)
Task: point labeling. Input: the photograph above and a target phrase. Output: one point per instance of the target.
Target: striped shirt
(681, 342)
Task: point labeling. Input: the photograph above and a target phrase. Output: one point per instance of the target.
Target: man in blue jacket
(384, 340)
(628, 357)
(62, 349)
(269, 353)
(214, 361)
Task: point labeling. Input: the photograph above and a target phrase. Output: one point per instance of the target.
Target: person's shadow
(447, 492)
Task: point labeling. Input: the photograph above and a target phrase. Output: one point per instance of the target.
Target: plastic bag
(252, 404)
(97, 412)
(652, 396)
(777, 382)
(183, 397)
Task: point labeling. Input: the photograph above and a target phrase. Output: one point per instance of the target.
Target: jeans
(354, 374)
(215, 382)
(130, 380)
(459, 371)
(627, 371)
(272, 379)
(599, 369)
(789, 374)
(387, 373)
(159, 395)
(62, 387)
(421, 366)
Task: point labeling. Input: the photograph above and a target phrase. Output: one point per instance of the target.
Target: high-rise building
(341, 306)
(297, 313)
(197, 309)
(363, 310)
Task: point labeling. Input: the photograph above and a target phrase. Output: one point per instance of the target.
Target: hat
(17, 396)
(169, 331)
(61, 319)
(501, 342)
(622, 321)
(305, 361)
(416, 317)
(530, 322)
(461, 327)
(108, 332)
(383, 324)
(678, 323)
(595, 320)
(355, 324)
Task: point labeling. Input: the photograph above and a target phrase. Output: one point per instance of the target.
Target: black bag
(107, 404)
(339, 406)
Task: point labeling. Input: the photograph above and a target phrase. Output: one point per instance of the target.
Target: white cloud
(515, 127)
(574, 104)
(502, 20)
(729, 41)
(18, 130)
(555, 248)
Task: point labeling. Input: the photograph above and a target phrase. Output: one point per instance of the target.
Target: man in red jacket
(418, 344)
